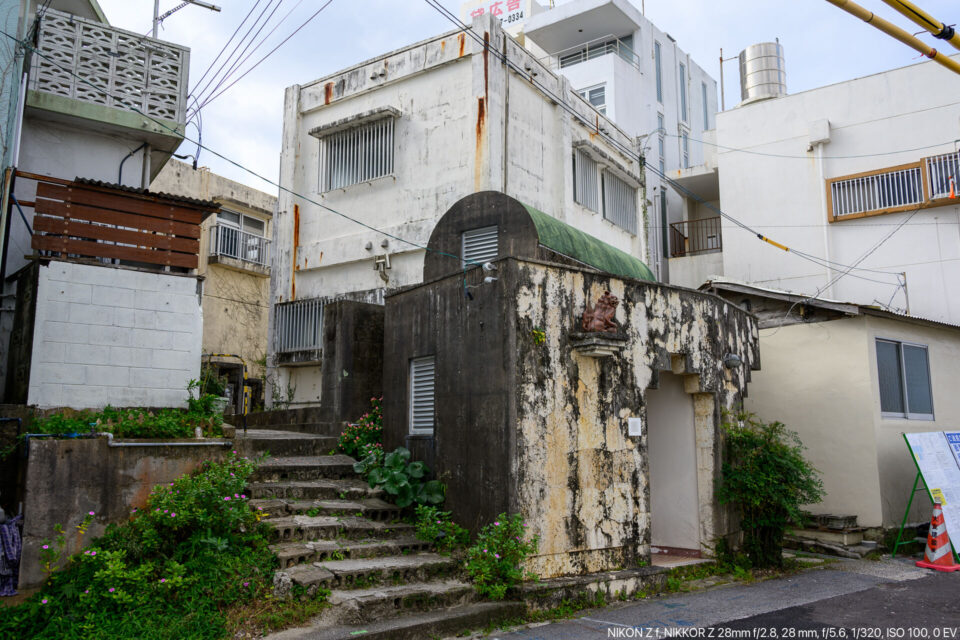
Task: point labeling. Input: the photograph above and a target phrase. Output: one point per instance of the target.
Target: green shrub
(134, 423)
(767, 478)
(211, 383)
(366, 431)
(172, 571)
(434, 526)
(401, 479)
(494, 561)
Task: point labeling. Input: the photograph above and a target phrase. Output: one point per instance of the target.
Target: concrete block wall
(107, 335)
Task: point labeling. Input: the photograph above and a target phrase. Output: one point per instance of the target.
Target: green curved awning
(582, 247)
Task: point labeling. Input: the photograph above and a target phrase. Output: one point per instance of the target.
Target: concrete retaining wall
(66, 479)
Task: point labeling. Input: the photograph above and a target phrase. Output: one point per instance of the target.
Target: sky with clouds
(822, 44)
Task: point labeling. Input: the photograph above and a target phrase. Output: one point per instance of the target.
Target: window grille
(904, 375)
(619, 202)
(900, 188)
(706, 107)
(586, 191)
(659, 70)
(356, 155)
(298, 325)
(941, 170)
(422, 376)
(685, 142)
(479, 245)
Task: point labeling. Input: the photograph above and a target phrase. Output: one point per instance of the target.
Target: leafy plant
(368, 430)
(767, 478)
(170, 571)
(401, 479)
(211, 383)
(434, 526)
(494, 561)
(134, 423)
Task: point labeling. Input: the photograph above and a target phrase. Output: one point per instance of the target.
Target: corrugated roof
(582, 247)
(194, 202)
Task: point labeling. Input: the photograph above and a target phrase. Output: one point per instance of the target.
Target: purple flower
(231, 475)
(173, 515)
(46, 546)
(484, 550)
(226, 497)
(93, 553)
(166, 510)
(110, 589)
(162, 580)
(87, 591)
(92, 513)
(246, 584)
(497, 556)
(44, 601)
(243, 495)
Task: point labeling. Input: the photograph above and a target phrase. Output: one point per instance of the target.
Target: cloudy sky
(823, 45)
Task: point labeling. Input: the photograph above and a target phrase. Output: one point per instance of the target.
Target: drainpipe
(825, 216)
(125, 158)
(927, 21)
(145, 177)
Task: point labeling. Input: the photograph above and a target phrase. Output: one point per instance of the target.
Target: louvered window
(619, 202)
(356, 155)
(478, 246)
(422, 375)
(586, 191)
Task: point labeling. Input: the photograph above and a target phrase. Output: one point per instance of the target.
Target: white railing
(900, 188)
(125, 68)
(941, 170)
(298, 325)
(593, 49)
(234, 243)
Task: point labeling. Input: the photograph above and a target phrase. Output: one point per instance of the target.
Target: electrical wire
(271, 52)
(226, 44)
(177, 132)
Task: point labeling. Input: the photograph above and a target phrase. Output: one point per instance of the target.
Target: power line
(274, 183)
(227, 44)
(613, 142)
(257, 63)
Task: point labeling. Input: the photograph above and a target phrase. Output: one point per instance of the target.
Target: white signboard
(937, 462)
(510, 12)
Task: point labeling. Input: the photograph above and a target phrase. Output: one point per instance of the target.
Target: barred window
(619, 202)
(356, 155)
(586, 189)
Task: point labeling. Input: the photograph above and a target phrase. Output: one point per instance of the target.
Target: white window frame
(414, 431)
(706, 107)
(683, 92)
(627, 221)
(585, 94)
(658, 68)
(906, 415)
(684, 149)
(587, 170)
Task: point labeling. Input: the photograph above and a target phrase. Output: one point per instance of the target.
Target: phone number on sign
(791, 633)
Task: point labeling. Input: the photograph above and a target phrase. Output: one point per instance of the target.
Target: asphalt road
(859, 600)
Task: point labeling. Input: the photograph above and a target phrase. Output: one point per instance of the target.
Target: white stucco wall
(672, 449)
(820, 379)
(107, 335)
(783, 197)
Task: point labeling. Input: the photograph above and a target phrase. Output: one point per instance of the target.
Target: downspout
(145, 176)
(125, 158)
(825, 216)
(506, 116)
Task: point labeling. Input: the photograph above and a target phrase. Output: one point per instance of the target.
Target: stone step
(370, 508)
(357, 606)
(431, 624)
(290, 416)
(325, 489)
(330, 429)
(293, 553)
(304, 468)
(368, 572)
(304, 528)
(282, 443)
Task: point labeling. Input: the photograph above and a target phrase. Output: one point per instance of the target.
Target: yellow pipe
(893, 30)
(927, 21)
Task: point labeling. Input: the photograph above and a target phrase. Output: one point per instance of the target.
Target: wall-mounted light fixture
(732, 361)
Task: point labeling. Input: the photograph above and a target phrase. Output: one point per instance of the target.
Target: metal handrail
(236, 243)
(595, 48)
(694, 237)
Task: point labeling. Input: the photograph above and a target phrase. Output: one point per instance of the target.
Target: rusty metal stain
(327, 93)
(486, 63)
(481, 119)
(443, 46)
(296, 247)
(463, 40)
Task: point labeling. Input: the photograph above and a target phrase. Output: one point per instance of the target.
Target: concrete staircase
(332, 531)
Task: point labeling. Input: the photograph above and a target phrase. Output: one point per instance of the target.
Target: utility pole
(723, 96)
(157, 17)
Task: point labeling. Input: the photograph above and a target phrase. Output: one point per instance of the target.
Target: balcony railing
(941, 171)
(694, 237)
(131, 69)
(235, 243)
(298, 325)
(593, 49)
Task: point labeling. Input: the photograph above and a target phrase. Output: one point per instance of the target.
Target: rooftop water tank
(762, 72)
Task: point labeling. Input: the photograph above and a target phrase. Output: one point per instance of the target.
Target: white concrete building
(643, 81)
(832, 172)
(101, 294)
(395, 141)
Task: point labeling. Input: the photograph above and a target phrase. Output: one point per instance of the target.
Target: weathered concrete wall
(352, 370)
(66, 479)
(107, 335)
(531, 426)
(583, 482)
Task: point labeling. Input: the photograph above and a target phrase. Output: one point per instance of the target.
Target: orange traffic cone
(953, 189)
(939, 553)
